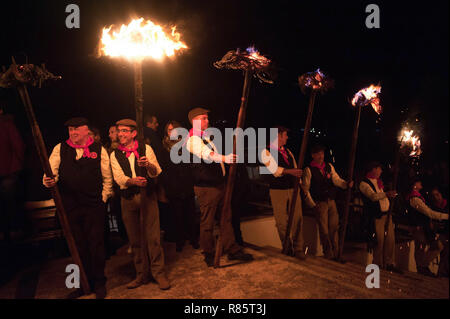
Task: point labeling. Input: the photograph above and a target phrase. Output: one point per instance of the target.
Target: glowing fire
(369, 95)
(254, 55)
(412, 141)
(139, 40)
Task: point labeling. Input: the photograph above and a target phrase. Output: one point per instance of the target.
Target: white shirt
(271, 163)
(196, 146)
(421, 207)
(107, 190)
(120, 177)
(306, 183)
(378, 196)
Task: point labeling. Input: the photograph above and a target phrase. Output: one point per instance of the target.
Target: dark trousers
(187, 225)
(87, 224)
(209, 198)
(9, 186)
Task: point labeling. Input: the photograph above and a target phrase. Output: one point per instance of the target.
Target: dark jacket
(12, 148)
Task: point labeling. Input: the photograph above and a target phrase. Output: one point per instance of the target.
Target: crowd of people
(132, 181)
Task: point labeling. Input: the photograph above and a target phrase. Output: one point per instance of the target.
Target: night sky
(408, 56)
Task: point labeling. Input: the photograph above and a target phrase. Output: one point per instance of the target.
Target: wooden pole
(43, 156)
(394, 185)
(141, 171)
(301, 160)
(226, 209)
(351, 167)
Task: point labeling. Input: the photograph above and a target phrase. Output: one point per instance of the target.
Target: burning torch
(364, 97)
(314, 82)
(256, 65)
(136, 42)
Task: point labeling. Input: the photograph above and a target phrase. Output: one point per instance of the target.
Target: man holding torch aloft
(124, 162)
(82, 171)
(319, 184)
(209, 184)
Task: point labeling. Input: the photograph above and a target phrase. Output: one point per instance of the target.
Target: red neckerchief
(321, 167)
(194, 132)
(442, 204)
(282, 151)
(133, 149)
(86, 152)
(379, 181)
(415, 193)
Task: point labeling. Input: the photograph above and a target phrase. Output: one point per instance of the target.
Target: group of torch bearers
(80, 174)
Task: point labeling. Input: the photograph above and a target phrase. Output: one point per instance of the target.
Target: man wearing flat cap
(378, 223)
(82, 171)
(124, 162)
(209, 186)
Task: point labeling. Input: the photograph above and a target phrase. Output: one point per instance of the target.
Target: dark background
(408, 56)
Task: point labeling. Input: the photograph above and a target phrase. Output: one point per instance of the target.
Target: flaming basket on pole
(256, 65)
(408, 145)
(19, 76)
(364, 97)
(314, 82)
(138, 41)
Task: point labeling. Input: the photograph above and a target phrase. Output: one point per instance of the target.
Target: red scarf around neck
(86, 152)
(415, 193)
(442, 204)
(379, 181)
(282, 151)
(130, 150)
(319, 166)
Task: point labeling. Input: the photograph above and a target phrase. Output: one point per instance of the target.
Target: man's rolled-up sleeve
(150, 154)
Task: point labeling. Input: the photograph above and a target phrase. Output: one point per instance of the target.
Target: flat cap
(76, 121)
(196, 112)
(127, 122)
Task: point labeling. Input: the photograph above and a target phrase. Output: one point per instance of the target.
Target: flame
(318, 76)
(370, 94)
(412, 141)
(139, 40)
(253, 54)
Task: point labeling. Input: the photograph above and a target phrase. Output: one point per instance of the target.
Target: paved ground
(270, 275)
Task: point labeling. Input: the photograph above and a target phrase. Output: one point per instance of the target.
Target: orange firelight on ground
(140, 40)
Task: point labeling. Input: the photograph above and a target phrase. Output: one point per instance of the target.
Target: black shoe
(240, 255)
(209, 259)
(75, 294)
(394, 269)
(340, 260)
(100, 292)
(425, 271)
(328, 255)
(300, 255)
(195, 245)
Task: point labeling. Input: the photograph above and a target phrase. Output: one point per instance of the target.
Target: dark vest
(206, 174)
(80, 181)
(122, 159)
(286, 181)
(322, 187)
(371, 208)
(417, 218)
